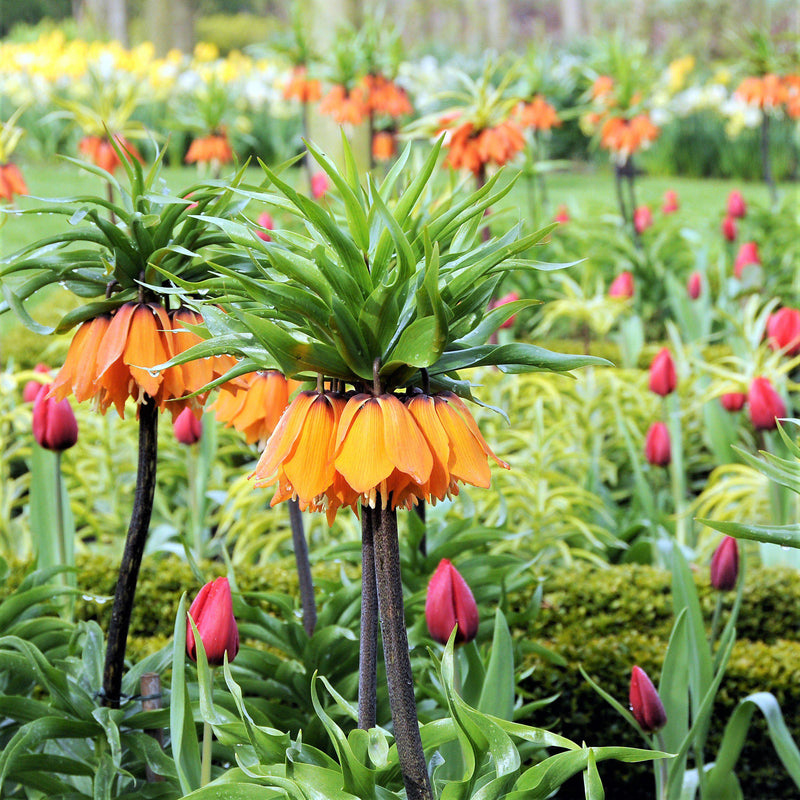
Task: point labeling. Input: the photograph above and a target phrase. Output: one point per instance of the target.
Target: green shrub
(233, 31)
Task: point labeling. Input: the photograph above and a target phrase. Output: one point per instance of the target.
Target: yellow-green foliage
(233, 31)
(607, 620)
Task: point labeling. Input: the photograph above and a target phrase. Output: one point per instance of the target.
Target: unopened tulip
(501, 301)
(783, 329)
(642, 219)
(450, 603)
(671, 203)
(31, 388)
(622, 287)
(212, 612)
(725, 565)
(747, 255)
(187, 428)
(646, 705)
(54, 424)
(733, 401)
(694, 285)
(736, 204)
(663, 379)
(657, 447)
(729, 228)
(766, 405)
(265, 223)
(562, 215)
(319, 185)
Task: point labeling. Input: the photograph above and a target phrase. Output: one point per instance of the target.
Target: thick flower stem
(368, 646)
(395, 652)
(205, 759)
(618, 173)
(766, 164)
(306, 582)
(132, 554)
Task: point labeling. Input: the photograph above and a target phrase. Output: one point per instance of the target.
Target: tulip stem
(395, 652)
(205, 763)
(132, 554)
(305, 580)
(62, 544)
(662, 774)
(368, 645)
(715, 622)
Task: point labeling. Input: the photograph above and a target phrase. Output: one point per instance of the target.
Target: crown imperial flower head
(657, 446)
(766, 405)
(54, 424)
(646, 705)
(663, 379)
(725, 565)
(449, 602)
(212, 612)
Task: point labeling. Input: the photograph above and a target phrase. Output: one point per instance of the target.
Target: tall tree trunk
(571, 18)
(170, 25)
(117, 20)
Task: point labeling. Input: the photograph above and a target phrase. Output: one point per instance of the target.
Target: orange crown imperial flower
(419, 450)
(302, 88)
(208, 149)
(472, 150)
(253, 404)
(101, 152)
(111, 358)
(11, 182)
(538, 114)
(346, 106)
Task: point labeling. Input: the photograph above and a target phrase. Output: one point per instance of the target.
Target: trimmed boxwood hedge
(605, 619)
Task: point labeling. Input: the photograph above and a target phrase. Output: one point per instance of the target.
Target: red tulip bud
(733, 401)
(766, 404)
(657, 448)
(694, 286)
(747, 255)
(671, 203)
(450, 603)
(212, 612)
(562, 215)
(729, 229)
(54, 423)
(266, 224)
(662, 373)
(725, 565)
(646, 705)
(501, 301)
(319, 185)
(31, 388)
(188, 429)
(642, 219)
(622, 287)
(783, 329)
(736, 204)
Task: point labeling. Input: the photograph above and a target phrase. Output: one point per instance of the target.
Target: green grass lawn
(585, 190)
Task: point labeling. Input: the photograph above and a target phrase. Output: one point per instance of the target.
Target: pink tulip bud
(187, 427)
(450, 603)
(54, 424)
(783, 329)
(266, 224)
(31, 388)
(622, 287)
(501, 301)
(747, 255)
(725, 565)
(657, 447)
(212, 612)
(642, 219)
(736, 205)
(562, 215)
(694, 286)
(733, 401)
(663, 379)
(729, 228)
(646, 705)
(766, 405)
(319, 185)
(671, 203)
